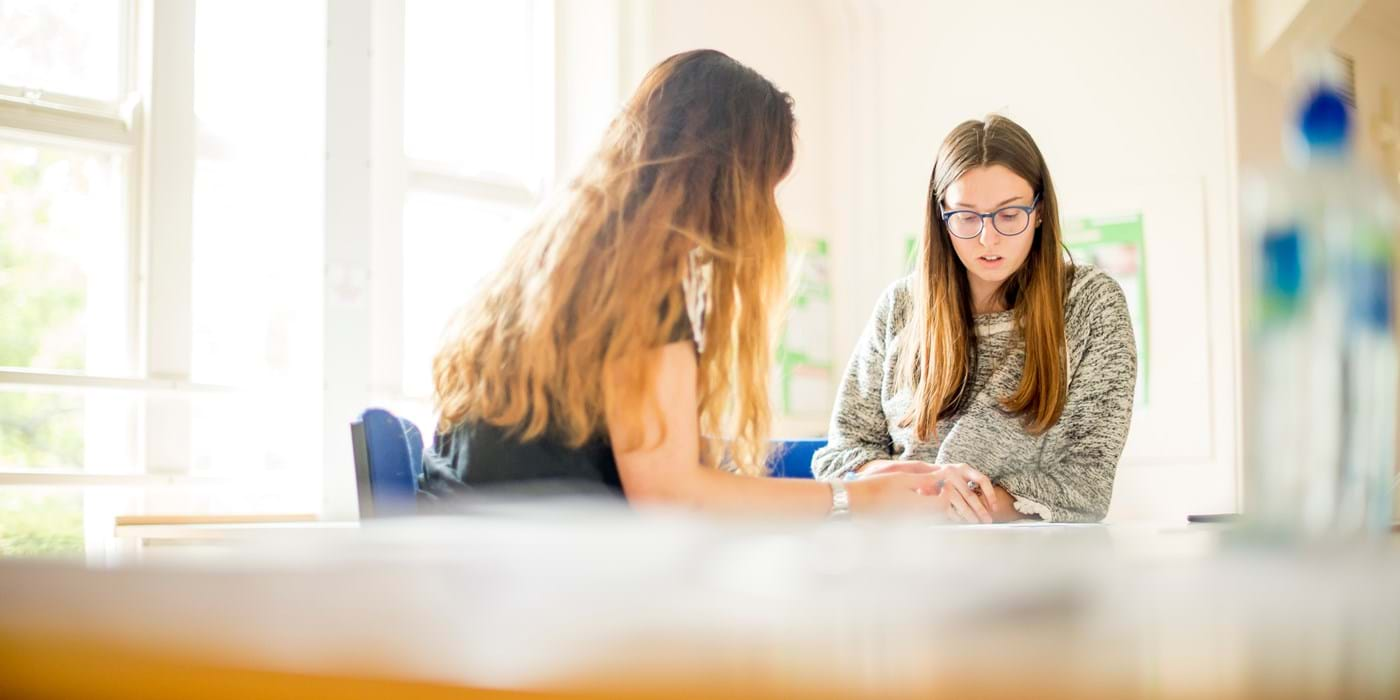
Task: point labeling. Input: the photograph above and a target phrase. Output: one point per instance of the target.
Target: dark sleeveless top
(477, 458)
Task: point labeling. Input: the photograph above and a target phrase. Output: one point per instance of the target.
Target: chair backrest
(793, 458)
(388, 463)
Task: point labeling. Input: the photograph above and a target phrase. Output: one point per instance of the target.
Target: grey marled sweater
(1065, 474)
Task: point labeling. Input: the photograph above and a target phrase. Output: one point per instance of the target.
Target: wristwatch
(840, 500)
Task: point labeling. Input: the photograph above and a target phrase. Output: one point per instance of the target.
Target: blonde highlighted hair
(938, 349)
(559, 338)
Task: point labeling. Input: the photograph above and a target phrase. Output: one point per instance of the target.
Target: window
(68, 164)
(96, 419)
(258, 204)
(74, 48)
(451, 242)
(64, 285)
(164, 242)
(478, 146)
(40, 521)
(475, 73)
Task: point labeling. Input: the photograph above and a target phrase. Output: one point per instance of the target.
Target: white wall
(1132, 105)
(1372, 40)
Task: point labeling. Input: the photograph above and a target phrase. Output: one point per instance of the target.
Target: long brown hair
(595, 284)
(938, 352)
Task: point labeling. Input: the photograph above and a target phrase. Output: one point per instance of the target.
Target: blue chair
(793, 458)
(388, 463)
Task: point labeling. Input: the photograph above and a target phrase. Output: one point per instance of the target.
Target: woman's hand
(1003, 506)
(955, 481)
(969, 490)
(898, 492)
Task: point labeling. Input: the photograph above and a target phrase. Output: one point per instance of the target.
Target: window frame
(32, 115)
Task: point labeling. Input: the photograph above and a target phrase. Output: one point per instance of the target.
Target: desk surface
(613, 603)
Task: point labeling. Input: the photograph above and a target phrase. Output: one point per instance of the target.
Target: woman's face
(991, 256)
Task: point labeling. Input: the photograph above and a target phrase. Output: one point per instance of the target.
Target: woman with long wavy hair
(624, 345)
(996, 360)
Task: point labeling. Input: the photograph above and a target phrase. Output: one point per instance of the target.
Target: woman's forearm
(715, 491)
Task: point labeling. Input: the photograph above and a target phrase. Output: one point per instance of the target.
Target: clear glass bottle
(1320, 358)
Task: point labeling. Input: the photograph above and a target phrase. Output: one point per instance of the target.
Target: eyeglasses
(1008, 221)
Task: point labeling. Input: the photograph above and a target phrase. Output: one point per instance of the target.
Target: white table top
(514, 601)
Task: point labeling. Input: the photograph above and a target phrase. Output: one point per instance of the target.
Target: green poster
(1115, 245)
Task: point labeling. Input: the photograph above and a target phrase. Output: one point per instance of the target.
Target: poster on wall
(1114, 244)
(803, 369)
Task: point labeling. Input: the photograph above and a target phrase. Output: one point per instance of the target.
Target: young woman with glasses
(998, 364)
